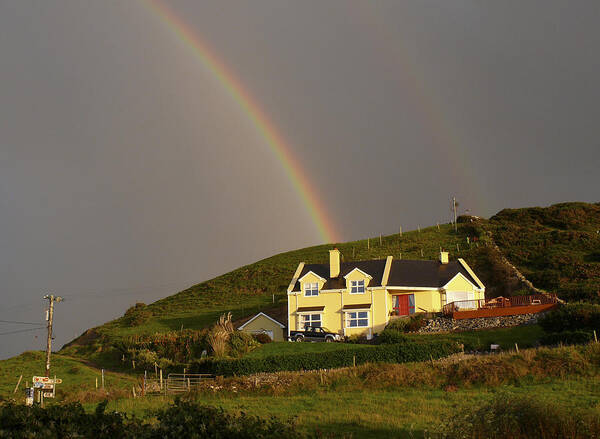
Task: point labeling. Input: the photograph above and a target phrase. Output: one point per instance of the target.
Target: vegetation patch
(397, 353)
(523, 417)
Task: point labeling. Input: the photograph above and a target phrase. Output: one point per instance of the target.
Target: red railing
(499, 302)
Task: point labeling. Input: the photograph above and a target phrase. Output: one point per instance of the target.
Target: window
(358, 319)
(311, 289)
(313, 320)
(357, 286)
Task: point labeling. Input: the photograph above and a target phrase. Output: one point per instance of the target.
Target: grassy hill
(557, 248)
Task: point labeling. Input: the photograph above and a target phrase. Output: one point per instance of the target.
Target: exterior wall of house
(377, 301)
(425, 301)
(460, 283)
(262, 324)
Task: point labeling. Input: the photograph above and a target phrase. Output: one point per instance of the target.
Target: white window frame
(357, 318)
(359, 285)
(313, 287)
(310, 315)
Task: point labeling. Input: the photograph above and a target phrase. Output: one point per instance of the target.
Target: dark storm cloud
(127, 173)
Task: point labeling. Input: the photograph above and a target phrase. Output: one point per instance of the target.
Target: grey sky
(127, 172)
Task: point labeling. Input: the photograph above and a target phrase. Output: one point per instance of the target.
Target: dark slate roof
(277, 313)
(373, 268)
(406, 273)
(403, 273)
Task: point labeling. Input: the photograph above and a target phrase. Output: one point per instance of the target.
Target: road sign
(46, 380)
(48, 394)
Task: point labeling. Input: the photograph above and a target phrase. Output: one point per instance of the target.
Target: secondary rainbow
(248, 104)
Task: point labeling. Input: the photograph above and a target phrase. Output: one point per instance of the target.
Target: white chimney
(334, 263)
(443, 257)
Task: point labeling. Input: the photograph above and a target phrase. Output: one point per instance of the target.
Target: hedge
(572, 317)
(391, 353)
(567, 337)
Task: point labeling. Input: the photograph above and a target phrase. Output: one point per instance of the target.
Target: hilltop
(557, 248)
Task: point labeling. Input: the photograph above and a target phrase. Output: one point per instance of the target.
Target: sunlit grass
(381, 413)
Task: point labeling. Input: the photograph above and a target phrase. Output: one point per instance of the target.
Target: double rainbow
(277, 144)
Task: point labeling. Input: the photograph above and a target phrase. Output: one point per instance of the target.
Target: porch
(500, 306)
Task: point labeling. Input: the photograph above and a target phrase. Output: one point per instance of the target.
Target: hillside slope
(557, 248)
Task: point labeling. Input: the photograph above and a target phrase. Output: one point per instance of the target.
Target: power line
(20, 323)
(22, 330)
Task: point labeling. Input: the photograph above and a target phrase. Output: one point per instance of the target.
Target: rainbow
(277, 144)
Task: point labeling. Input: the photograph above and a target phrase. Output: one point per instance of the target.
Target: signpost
(42, 384)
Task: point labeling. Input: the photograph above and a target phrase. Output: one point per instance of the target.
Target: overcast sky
(127, 172)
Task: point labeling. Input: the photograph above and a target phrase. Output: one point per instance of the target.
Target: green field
(77, 376)
(396, 412)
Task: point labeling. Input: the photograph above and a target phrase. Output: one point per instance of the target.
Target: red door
(401, 305)
(404, 305)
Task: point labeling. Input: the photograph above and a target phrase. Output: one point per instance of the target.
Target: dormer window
(311, 289)
(357, 286)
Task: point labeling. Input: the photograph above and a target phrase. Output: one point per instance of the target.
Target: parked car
(311, 333)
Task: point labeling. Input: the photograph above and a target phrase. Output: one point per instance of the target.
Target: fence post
(21, 377)
(161, 381)
(102, 379)
(353, 360)
(595, 337)
(517, 347)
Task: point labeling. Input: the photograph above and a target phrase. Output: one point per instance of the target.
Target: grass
(282, 348)
(394, 412)
(525, 336)
(76, 375)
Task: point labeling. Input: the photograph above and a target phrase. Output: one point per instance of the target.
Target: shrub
(567, 337)
(522, 417)
(572, 317)
(390, 353)
(391, 336)
(218, 337)
(411, 324)
(146, 358)
(137, 314)
(180, 420)
(241, 343)
(262, 338)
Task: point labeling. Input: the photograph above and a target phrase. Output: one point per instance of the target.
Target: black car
(312, 333)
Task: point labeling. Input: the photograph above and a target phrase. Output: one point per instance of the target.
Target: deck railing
(499, 302)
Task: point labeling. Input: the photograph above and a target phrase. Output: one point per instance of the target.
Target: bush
(572, 317)
(181, 420)
(521, 417)
(241, 343)
(390, 353)
(137, 314)
(567, 337)
(391, 336)
(262, 338)
(411, 324)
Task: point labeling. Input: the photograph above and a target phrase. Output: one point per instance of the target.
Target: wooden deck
(497, 312)
(500, 306)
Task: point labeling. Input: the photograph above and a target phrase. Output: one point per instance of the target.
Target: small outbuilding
(262, 323)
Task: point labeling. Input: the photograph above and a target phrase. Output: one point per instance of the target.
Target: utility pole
(51, 299)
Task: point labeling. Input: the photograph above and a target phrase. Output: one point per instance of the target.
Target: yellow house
(262, 323)
(361, 297)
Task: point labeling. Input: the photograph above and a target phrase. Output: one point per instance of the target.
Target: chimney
(334, 263)
(443, 257)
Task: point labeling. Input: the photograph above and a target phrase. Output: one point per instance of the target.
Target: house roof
(406, 273)
(257, 316)
(374, 268)
(278, 314)
(403, 273)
